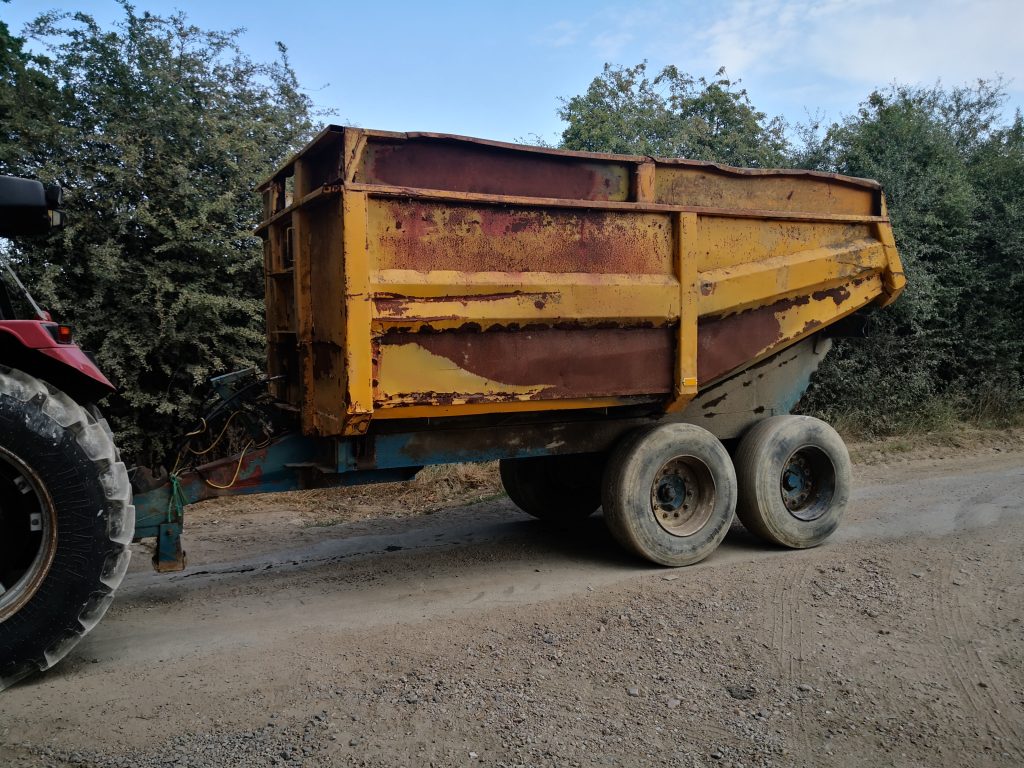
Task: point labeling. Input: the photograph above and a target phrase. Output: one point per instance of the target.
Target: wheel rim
(808, 483)
(683, 496)
(28, 533)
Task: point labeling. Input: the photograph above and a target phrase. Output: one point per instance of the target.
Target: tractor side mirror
(27, 207)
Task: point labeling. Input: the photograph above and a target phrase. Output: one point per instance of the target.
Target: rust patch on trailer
(327, 359)
(687, 183)
(582, 362)
(462, 167)
(246, 472)
(423, 235)
(838, 295)
(725, 343)
(398, 305)
(386, 298)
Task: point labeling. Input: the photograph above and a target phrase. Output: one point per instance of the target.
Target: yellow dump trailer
(625, 333)
(422, 276)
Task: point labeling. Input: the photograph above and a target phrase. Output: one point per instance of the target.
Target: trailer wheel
(794, 477)
(669, 493)
(66, 520)
(554, 488)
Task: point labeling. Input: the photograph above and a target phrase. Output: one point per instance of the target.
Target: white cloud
(559, 34)
(626, 26)
(797, 55)
(750, 34)
(871, 42)
(610, 32)
(953, 40)
(611, 45)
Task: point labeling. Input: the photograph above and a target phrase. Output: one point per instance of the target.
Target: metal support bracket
(169, 556)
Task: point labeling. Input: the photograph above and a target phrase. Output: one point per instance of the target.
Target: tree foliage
(27, 99)
(671, 115)
(953, 173)
(159, 132)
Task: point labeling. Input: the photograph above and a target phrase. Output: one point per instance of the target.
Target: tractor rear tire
(560, 489)
(66, 520)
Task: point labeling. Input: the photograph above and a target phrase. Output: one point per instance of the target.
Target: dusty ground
(308, 632)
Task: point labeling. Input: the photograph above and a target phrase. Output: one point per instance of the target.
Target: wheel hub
(682, 496)
(28, 533)
(797, 482)
(807, 483)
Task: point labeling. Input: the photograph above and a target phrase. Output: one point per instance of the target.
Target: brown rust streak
(466, 167)
(725, 343)
(424, 235)
(452, 398)
(222, 472)
(583, 362)
(397, 304)
(328, 359)
(838, 294)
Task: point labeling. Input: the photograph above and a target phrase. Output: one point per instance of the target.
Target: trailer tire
(669, 493)
(563, 488)
(794, 477)
(64, 481)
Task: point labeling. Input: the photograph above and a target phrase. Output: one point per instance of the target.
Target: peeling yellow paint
(407, 369)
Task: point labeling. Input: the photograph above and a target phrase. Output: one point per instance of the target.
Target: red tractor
(66, 514)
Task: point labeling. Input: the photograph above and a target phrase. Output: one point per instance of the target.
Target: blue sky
(497, 70)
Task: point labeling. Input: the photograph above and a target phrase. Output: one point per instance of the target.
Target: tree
(159, 131)
(953, 179)
(671, 115)
(28, 98)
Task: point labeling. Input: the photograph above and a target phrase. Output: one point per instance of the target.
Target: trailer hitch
(237, 406)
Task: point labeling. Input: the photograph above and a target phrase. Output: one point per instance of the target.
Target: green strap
(177, 503)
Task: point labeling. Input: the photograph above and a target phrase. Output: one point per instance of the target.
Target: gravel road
(475, 635)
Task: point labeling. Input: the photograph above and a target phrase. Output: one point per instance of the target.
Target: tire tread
(96, 440)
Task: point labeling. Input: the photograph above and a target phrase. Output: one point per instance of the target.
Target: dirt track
(476, 635)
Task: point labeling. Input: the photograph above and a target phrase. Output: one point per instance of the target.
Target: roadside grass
(945, 442)
(992, 409)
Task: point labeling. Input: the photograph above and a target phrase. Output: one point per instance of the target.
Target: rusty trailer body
(424, 276)
(585, 319)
